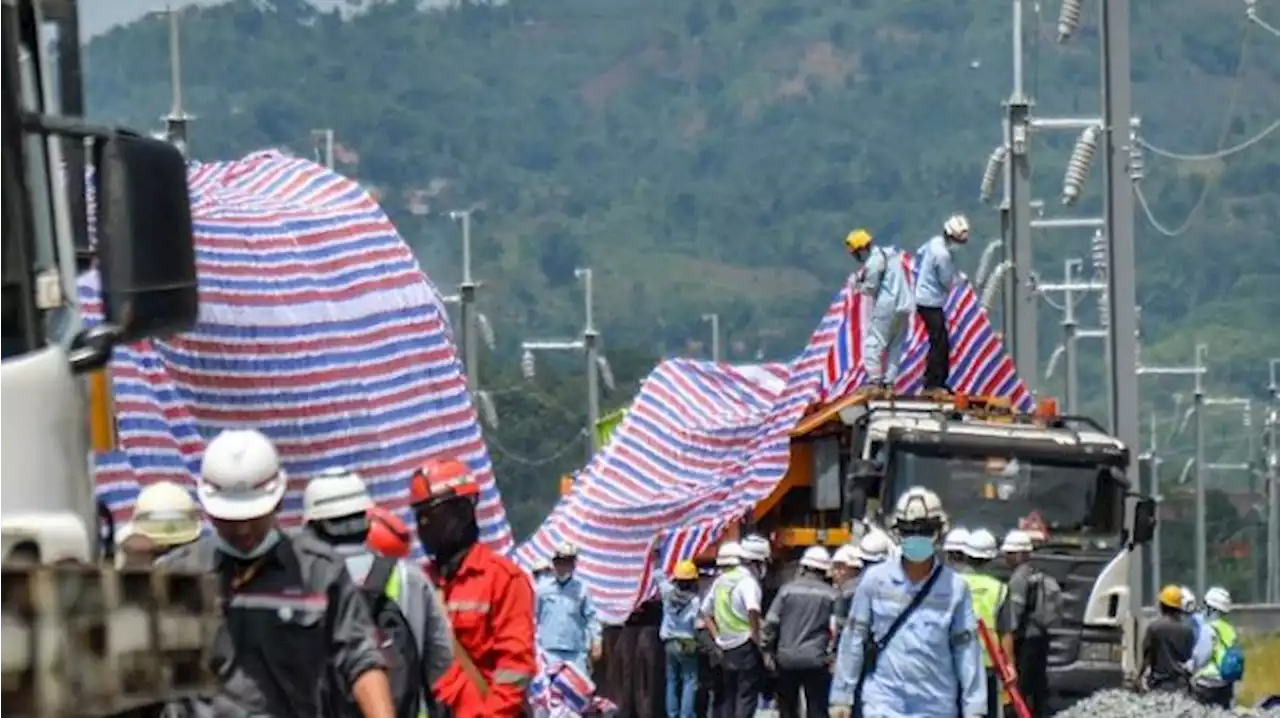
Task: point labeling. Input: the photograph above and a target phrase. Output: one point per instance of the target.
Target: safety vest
(988, 593)
(726, 619)
(1224, 637)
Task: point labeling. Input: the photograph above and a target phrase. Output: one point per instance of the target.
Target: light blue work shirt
(937, 273)
(934, 658)
(1202, 652)
(566, 616)
(679, 611)
(885, 281)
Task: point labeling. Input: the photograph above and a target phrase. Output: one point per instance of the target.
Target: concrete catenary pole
(714, 321)
(1070, 288)
(1273, 486)
(1157, 556)
(1021, 300)
(327, 140)
(467, 302)
(1202, 540)
(177, 121)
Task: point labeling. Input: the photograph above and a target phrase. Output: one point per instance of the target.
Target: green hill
(709, 155)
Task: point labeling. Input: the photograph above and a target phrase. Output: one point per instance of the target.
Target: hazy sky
(97, 16)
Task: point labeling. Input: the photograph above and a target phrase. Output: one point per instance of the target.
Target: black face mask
(447, 529)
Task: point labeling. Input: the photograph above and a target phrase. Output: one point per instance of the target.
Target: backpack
(1044, 610)
(1231, 665)
(395, 638)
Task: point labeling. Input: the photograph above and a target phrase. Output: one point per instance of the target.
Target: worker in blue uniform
(567, 627)
(883, 282)
(936, 277)
(910, 646)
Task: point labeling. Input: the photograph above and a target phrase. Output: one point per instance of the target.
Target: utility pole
(596, 365)
(1022, 299)
(176, 122)
(1069, 288)
(326, 140)
(466, 295)
(1273, 485)
(1156, 492)
(714, 320)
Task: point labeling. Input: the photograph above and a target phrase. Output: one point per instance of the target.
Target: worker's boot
(883, 390)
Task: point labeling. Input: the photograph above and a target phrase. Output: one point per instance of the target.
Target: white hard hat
(729, 554)
(918, 504)
(816, 558)
(240, 476)
(981, 545)
(756, 548)
(565, 550)
(1017, 541)
(540, 564)
(334, 494)
(1219, 599)
(956, 225)
(955, 540)
(166, 514)
(1188, 600)
(848, 555)
(875, 546)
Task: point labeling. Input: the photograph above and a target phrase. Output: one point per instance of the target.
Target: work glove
(596, 651)
(840, 712)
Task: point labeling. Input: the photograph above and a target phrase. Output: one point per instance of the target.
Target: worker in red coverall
(488, 597)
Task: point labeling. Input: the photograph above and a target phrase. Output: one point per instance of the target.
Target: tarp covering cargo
(702, 443)
(317, 326)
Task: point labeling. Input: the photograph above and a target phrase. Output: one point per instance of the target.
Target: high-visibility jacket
(988, 593)
(490, 603)
(1224, 637)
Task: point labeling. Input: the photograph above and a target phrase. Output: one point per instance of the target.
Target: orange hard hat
(439, 479)
(388, 535)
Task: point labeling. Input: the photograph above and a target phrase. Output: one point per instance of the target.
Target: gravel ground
(1122, 704)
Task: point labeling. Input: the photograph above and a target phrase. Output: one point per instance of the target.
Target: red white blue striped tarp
(703, 443)
(317, 326)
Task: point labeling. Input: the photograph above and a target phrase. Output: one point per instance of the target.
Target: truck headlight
(1095, 652)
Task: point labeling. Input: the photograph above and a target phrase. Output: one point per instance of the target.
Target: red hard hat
(440, 479)
(388, 535)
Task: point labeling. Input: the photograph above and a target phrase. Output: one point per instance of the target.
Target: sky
(98, 16)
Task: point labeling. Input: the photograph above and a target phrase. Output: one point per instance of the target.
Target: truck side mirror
(1144, 521)
(146, 247)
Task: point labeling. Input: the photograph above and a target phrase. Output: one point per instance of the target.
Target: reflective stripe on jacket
(1223, 636)
(727, 620)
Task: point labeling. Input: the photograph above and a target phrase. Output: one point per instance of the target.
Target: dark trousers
(1220, 696)
(815, 682)
(1032, 658)
(743, 679)
(937, 363)
(993, 693)
(710, 682)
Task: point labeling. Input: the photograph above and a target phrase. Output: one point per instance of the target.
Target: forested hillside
(709, 155)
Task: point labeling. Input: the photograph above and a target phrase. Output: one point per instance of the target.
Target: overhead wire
(495, 445)
(1237, 83)
(1220, 154)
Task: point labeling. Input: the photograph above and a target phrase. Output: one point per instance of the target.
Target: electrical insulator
(488, 411)
(1079, 164)
(1104, 311)
(1248, 416)
(486, 330)
(995, 163)
(1098, 253)
(606, 373)
(1136, 163)
(527, 366)
(1069, 18)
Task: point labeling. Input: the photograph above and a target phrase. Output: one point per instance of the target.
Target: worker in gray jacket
(335, 508)
(846, 564)
(294, 622)
(797, 636)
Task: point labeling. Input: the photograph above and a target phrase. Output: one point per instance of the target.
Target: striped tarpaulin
(703, 443)
(317, 326)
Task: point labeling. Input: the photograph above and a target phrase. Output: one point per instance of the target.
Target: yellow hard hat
(686, 571)
(857, 240)
(1171, 596)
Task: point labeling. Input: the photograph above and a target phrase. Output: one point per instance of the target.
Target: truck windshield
(1068, 502)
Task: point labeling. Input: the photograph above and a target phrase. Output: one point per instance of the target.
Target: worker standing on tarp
(910, 647)
(883, 281)
(294, 620)
(934, 281)
(566, 622)
(488, 597)
(732, 611)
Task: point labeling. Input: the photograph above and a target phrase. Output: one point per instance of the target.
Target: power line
(1237, 83)
(492, 440)
(1220, 154)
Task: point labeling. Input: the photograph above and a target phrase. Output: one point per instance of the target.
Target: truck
(1061, 478)
(81, 637)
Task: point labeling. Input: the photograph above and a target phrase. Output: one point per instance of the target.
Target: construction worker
(1202, 649)
(875, 548)
(1214, 683)
(1167, 645)
(566, 622)
(797, 636)
(677, 633)
(845, 566)
(337, 510)
(488, 597)
(953, 546)
(710, 657)
(935, 279)
(164, 518)
(293, 618)
(910, 649)
(883, 282)
(988, 595)
(1023, 640)
(732, 613)
(541, 570)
